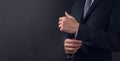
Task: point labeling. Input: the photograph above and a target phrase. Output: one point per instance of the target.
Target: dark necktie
(87, 6)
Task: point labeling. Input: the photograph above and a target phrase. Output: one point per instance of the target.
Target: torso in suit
(100, 27)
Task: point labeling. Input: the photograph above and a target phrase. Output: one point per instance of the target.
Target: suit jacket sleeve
(102, 39)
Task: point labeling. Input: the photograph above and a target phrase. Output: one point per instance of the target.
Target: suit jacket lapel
(94, 5)
(77, 10)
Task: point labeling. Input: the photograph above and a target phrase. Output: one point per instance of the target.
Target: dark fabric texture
(100, 28)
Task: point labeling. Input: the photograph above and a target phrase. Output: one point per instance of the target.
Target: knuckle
(71, 49)
(64, 18)
(63, 24)
(79, 42)
(73, 41)
(65, 44)
(61, 28)
(66, 40)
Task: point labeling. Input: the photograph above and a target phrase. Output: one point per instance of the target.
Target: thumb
(68, 15)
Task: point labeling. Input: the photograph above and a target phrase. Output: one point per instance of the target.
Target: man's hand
(68, 24)
(71, 45)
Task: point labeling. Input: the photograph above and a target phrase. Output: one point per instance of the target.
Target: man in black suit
(92, 35)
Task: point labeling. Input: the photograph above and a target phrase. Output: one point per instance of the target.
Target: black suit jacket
(100, 28)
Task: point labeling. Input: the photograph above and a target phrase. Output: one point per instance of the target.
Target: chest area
(98, 14)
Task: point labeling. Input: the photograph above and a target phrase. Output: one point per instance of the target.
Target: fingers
(71, 46)
(64, 24)
(68, 24)
(61, 23)
(73, 41)
(70, 50)
(61, 18)
(68, 15)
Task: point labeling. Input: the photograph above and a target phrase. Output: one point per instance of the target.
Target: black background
(29, 30)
